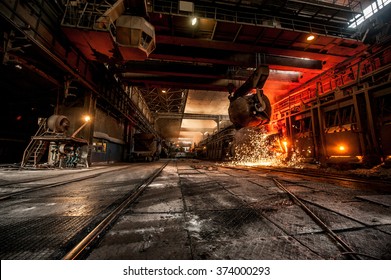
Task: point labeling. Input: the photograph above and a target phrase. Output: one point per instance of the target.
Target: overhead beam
(177, 84)
(136, 7)
(245, 48)
(326, 5)
(204, 83)
(200, 130)
(192, 116)
(223, 57)
(170, 68)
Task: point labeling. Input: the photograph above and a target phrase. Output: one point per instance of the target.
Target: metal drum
(58, 123)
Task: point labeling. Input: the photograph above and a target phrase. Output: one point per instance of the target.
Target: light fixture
(341, 148)
(87, 118)
(194, 21)
(310, 37)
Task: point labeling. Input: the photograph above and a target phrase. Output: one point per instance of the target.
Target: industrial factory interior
(195, 130)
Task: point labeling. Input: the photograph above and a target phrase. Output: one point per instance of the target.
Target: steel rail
(256, 209)
(38, 179)
(110, 218)
(347, 249)
(335, 177)
(307, 173)
(33, 189)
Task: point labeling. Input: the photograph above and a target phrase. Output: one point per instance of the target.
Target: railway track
(98, 230)
(386, 184)
(65, 235)
(346, 249)
(36, 179)
(343, 246)
(223, 214)
(57, 184)
(212, 211)
(260, 212)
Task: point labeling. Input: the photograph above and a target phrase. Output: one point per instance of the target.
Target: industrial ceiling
(184, 79)
(230, 39)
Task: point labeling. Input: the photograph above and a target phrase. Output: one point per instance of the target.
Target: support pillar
(322, 150)
(373, 157)
(315, 132)
(360, 129)
(88, 131)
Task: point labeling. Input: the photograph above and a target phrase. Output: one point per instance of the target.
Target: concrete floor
(197, 210)
(194, 210)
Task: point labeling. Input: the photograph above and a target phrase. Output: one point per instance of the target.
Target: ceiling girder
(175, 82)
(192, 116)
(193, 72)
(290, 14)
(169, 68)
(244, 48)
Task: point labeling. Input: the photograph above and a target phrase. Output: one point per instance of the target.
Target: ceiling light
(310, 37)
(194, 21)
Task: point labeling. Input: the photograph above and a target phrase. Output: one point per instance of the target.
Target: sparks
(257, 148)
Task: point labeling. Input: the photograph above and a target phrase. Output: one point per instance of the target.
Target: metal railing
(82, 14)
(338, 28)
(356, 71)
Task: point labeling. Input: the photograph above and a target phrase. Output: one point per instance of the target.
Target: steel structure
(229, 41)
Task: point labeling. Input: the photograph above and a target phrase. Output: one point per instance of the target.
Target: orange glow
(310, 37)
(87, 118)
(341, 148)
(259, 148)
(285, 144)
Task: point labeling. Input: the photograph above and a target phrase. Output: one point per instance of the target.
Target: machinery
(51, 139)
(249, 107)
(147, 147)
(249, 110)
